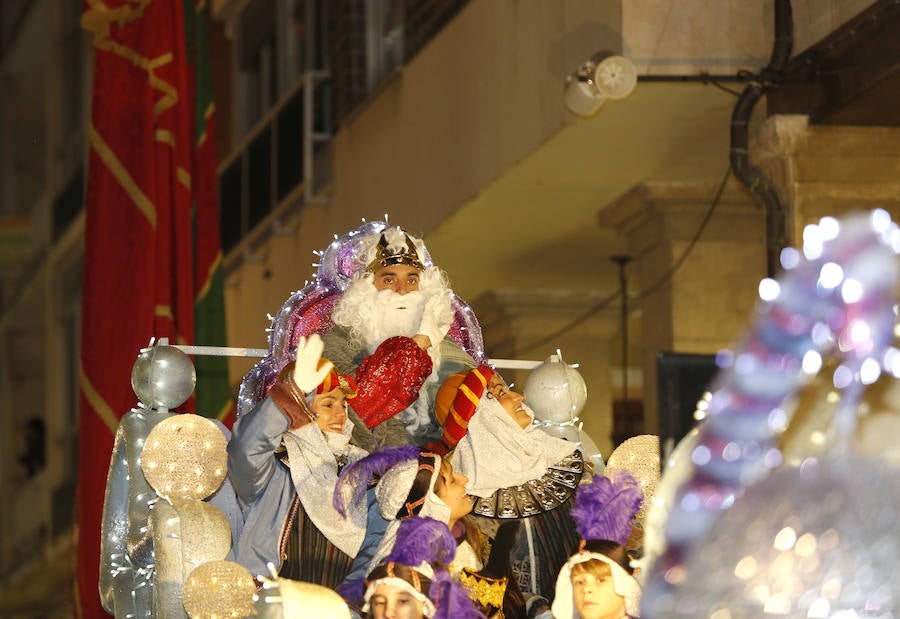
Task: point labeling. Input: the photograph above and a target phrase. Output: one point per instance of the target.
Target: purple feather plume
(450, 598)
(605, 507)
(353, 591)
(361, 473)
(423, 539)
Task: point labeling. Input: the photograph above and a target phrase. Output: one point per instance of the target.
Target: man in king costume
(387, 317)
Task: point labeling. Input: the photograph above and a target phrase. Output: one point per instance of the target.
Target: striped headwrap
(334, 380)
(457, 400)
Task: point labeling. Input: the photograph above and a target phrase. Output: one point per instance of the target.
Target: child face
(389, 602)
(595, 596)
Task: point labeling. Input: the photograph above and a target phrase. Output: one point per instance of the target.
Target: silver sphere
(163, 377)
(556, 391)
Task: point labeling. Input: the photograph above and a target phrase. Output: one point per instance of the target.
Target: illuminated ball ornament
(185, 456)
(219, 589)
(819, 540)
(556, 391)
(638, 455)
(163, 377)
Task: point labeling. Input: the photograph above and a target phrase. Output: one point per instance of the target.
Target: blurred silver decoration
(820, 540)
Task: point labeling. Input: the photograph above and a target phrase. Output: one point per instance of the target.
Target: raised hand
(308, 372)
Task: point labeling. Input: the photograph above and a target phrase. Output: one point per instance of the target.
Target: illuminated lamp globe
(555, 391)
(163, 377)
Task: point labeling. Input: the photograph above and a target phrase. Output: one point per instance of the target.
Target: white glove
(437, 316)
(308, 374)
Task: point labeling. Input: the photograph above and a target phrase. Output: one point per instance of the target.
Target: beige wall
(720, 36)
(483, 94)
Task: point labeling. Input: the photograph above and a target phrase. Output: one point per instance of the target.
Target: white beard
(391, 314)
(373, 315)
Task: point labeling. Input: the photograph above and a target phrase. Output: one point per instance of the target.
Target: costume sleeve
(376, 526)
(389, 379)
(251, 451)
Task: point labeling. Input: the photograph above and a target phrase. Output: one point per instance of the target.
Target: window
(384, 40)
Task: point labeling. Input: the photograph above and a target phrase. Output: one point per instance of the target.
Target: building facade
(448, 115)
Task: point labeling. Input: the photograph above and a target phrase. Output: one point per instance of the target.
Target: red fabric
(456, 423)
(137, 269)
(389, 379)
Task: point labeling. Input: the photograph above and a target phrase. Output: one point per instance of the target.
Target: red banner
(138, 267)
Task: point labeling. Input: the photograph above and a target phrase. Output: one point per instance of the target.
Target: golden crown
(385, 256)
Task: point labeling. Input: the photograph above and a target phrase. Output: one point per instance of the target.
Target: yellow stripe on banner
(165, 311)
(184, 177)
(210, 110)
(97, 402)
(122, 175)
(199, 5)
(209, 275)
(225, 411)
(166, 137)
(160, 61)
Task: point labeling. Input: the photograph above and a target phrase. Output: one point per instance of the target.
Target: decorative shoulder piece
(535, 496)
(387, 255)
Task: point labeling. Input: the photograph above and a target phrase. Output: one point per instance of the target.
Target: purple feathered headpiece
(360, 474)
(423, 539)
(450, 599)
(605, 508)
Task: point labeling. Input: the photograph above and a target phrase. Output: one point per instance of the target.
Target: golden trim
(207, 114)
(165, 136)
(97, 20)
(165, 311)
(229, 406)
(482, 589)
(140, 199)
(207, 283)
(184, 177)
(97, 402)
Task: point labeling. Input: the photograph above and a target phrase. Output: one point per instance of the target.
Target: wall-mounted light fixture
(604, 76)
